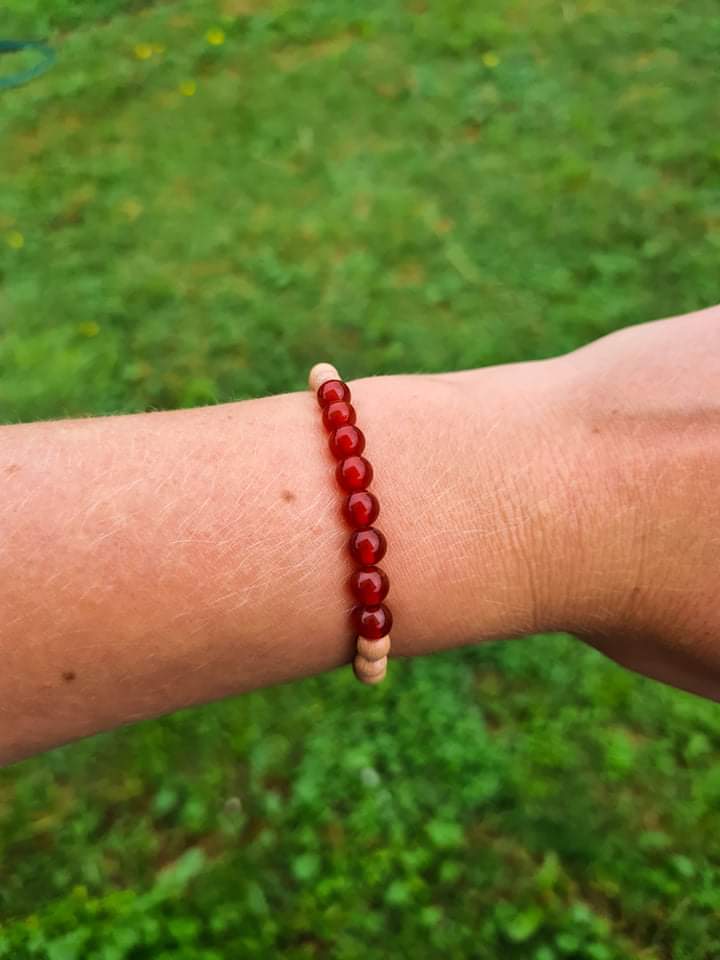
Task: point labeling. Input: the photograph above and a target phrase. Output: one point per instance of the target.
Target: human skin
(153, 561)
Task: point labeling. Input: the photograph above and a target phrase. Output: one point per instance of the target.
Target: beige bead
(369, 671)
(373, 649)
(320, 374)
(371, 681)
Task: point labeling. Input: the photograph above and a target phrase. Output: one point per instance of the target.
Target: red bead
(361, 508)
(331, 391)
(370, 585)
(372, 622)
(347, 441)
(337, 414)
(354, 473)
(368, 546)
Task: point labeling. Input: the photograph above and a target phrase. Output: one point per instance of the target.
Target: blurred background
(196, 202)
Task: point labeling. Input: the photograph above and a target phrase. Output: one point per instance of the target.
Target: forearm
(153, 561)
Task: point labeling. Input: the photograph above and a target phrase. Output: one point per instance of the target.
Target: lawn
(196, 202)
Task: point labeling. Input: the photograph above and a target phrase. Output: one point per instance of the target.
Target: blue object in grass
(46, 59)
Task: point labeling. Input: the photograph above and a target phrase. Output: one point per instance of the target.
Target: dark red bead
(332, 391)
(337, 414)
(361, 508)
(347, 441)
(372, 622)
(354, 473)
(370, 585)
(367, 546)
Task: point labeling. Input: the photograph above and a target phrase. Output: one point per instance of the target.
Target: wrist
(475, 502)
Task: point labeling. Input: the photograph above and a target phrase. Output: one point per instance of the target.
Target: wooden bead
(369, 671)
(320, 373)
(370, 681)
(373, 649)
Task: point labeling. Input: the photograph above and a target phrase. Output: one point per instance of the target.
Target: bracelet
(371, 619)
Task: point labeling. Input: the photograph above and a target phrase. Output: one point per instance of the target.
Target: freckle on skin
(68, 676)
(12, 468)
(288, 496)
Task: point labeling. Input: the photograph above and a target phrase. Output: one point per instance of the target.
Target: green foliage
(194, 203)
(40, 17)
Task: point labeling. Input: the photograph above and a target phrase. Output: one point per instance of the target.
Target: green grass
(417, 186)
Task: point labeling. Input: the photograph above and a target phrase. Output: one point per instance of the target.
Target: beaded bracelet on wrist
(370, 617)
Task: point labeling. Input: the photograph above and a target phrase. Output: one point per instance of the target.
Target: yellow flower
(143, 51)
(89, 328)
(490, 59)
(187, 88)
(131, 208)
(15, 240)
(215, 36)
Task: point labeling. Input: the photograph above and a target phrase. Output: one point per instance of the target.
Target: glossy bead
(367, 546)
(331, 391)
(337, 414)
(347, 441)
(361, 508)
(372, 622)
(354, 473)
(370, 585)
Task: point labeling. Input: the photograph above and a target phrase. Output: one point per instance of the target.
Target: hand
(642, 437)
